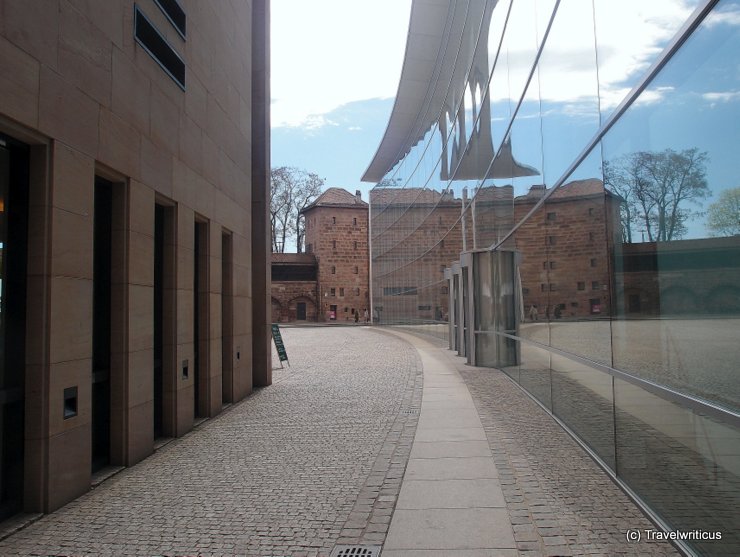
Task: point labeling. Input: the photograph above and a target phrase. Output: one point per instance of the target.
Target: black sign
(277, 337)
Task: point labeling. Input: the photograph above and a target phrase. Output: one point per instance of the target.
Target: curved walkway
(491, 474)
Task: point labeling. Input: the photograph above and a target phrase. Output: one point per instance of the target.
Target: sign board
(278, 339)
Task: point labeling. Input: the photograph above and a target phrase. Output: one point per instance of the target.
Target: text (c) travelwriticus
(653, 534)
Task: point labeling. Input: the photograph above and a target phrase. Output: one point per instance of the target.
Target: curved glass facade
(567, 209)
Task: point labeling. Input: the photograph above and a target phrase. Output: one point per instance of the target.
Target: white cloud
(567, 67)
(721, 97)
(728, 15)
(331, 52)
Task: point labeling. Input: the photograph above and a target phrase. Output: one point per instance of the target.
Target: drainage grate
(411, 411)
(356, 551)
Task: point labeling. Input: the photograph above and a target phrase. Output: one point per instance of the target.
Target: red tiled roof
(337, 197)
(404, 196)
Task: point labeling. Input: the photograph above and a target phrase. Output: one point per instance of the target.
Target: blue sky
(335, 71)
(341, 148)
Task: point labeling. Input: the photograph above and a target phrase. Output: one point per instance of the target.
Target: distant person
(357, 316)
(367, 316)
(533, 314)
(558, 312)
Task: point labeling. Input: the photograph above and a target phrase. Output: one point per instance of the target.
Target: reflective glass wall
(593, 147)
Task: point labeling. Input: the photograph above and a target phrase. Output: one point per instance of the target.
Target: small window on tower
(334, 220)
(333, 270)
(334, 244)
(356, 270)
(354, 221)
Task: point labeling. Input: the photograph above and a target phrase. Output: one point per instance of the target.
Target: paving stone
(277, 474)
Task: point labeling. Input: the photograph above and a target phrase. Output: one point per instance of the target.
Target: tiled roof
(577, 188)
(337, 197)
(404, 196)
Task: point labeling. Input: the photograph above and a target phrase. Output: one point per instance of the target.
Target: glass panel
(684, 465)
(649, 25)
(569, 106)
(582, 398)
(485, 340)
(579, 249)
(672, 159)
(513, 66)
(533, 271)
(512, 370)
(534, 372)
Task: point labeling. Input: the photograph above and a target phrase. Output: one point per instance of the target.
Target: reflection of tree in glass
(655, 188)
(723, 216)
(291, 190)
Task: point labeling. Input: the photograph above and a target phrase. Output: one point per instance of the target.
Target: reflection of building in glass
(548, 214)
(685, 277)
(134, 189)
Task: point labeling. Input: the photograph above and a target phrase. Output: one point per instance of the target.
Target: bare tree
(723, 216)
(292, 190)
(656, 188)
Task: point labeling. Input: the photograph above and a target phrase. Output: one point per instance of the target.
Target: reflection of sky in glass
(699, 94)
(692, 102)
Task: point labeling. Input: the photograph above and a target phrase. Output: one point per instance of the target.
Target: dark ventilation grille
(356, 551)
(175, 13)
(158, 48)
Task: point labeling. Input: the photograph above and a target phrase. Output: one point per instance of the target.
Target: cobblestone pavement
(314, 460)
(560, 502)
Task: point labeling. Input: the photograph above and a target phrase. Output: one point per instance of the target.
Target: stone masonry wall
(338, 237)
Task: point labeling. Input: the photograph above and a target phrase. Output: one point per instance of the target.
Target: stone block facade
(137, 245)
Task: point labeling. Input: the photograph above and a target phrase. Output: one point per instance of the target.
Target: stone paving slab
(470, 468)
(450, 529)
(450, 494)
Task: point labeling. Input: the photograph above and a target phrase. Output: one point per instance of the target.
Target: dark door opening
(200, 331)
(227, 370)
(101, 407)
(14, 171)
(301, 311)
(159, 216)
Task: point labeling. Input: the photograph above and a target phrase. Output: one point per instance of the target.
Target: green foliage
(656, 188)
(723, 216)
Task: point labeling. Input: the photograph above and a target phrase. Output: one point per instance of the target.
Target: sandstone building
(134, 163)
(337, 236)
